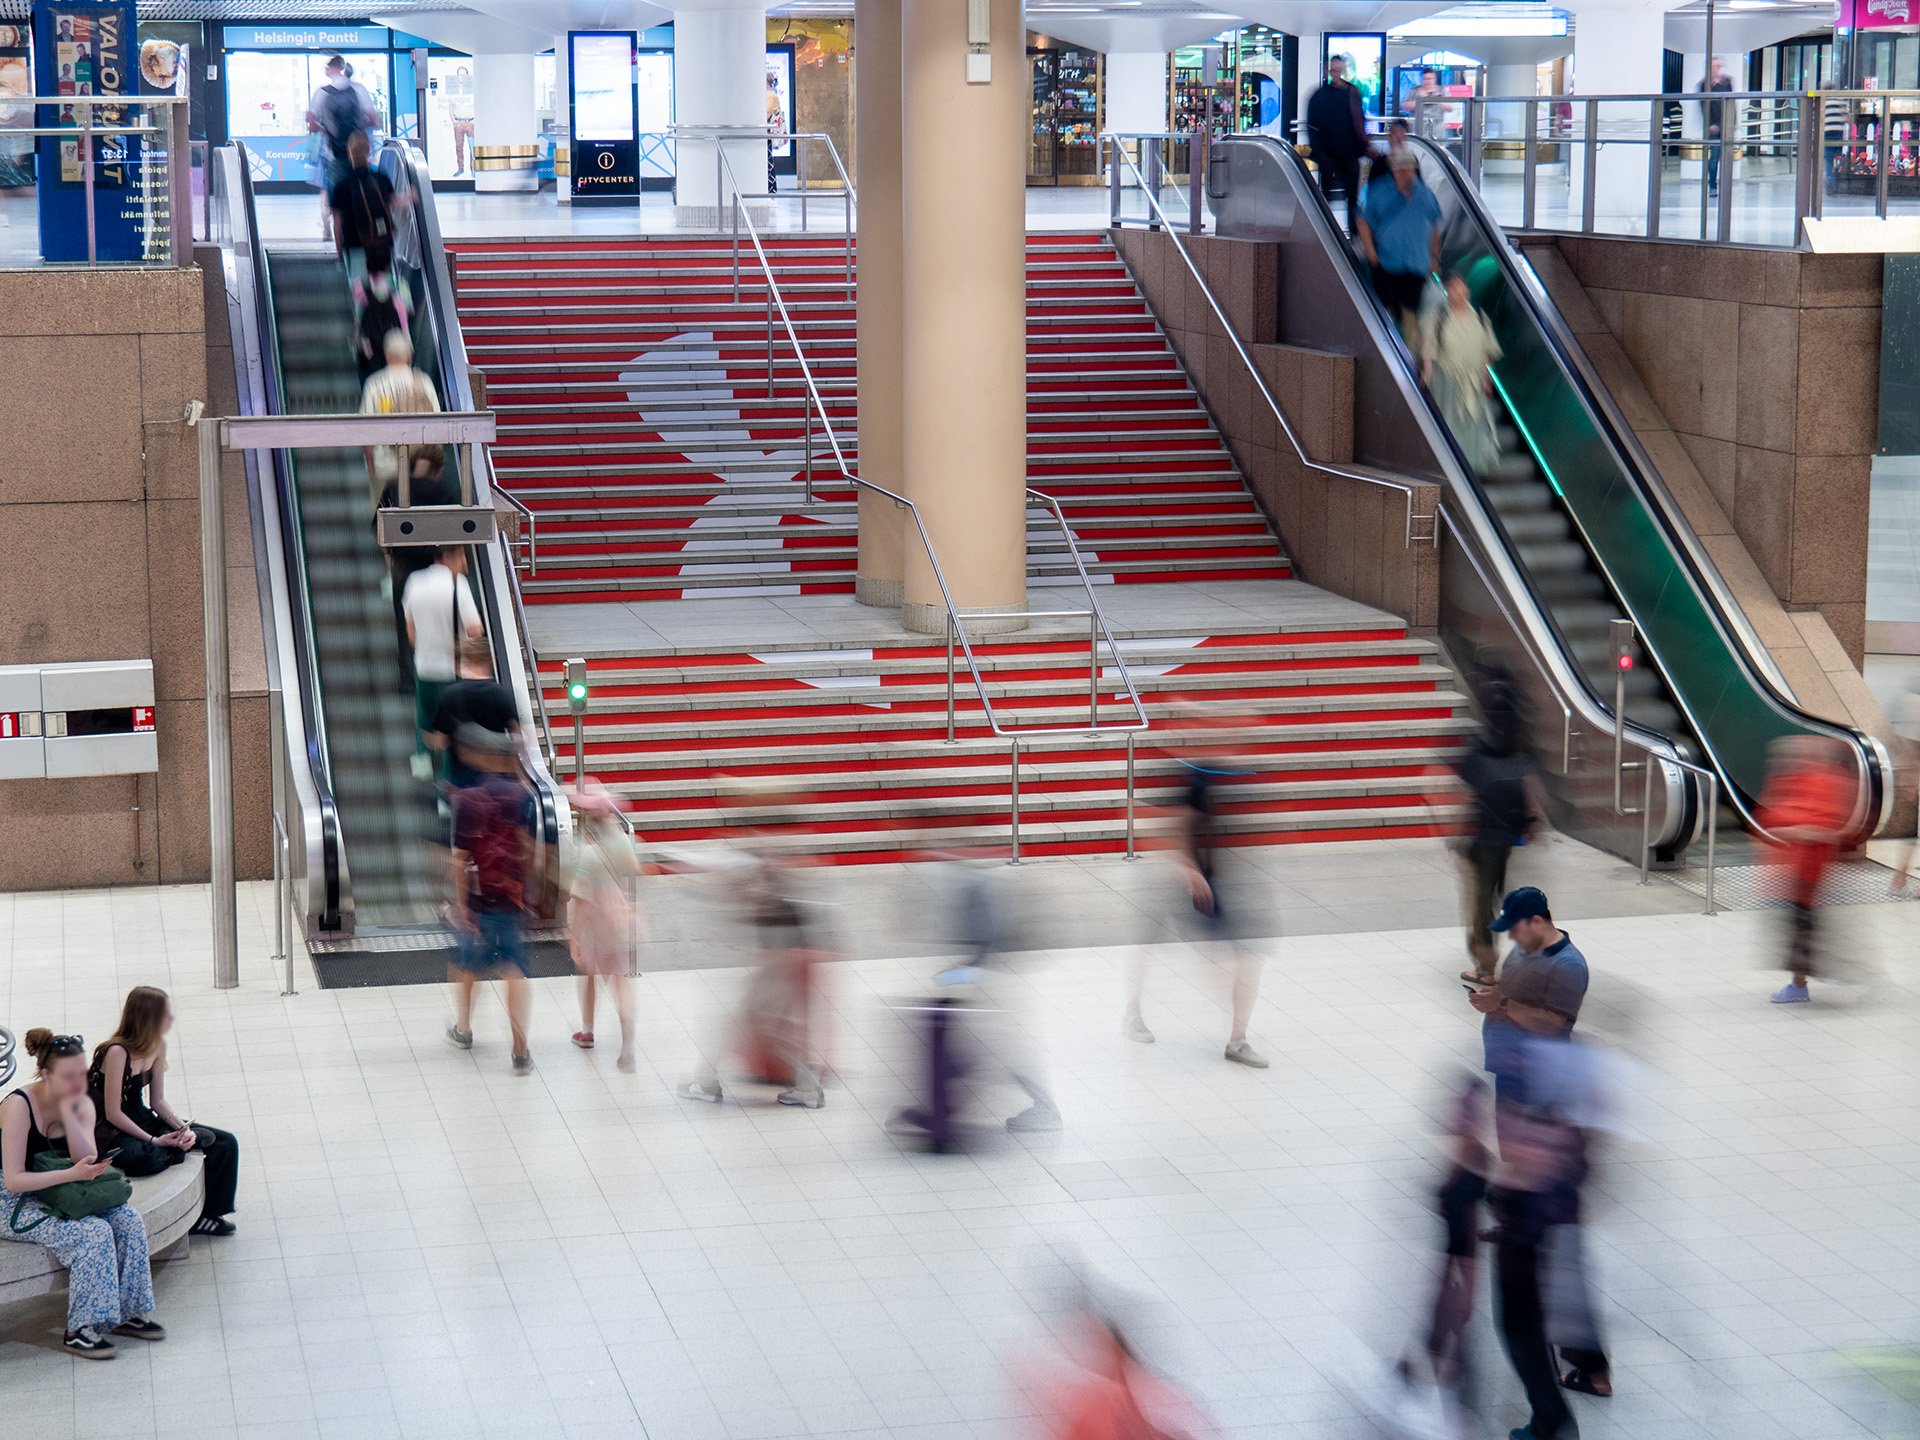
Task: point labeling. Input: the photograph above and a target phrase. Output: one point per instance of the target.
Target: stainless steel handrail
(1713, 818)
(720, 136)
(1117, 142)
(956, 627)
(524, 521)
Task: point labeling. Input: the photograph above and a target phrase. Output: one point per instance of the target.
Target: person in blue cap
(1544, 970)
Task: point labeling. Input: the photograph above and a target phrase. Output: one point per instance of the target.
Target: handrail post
(1093, 671)
(1530, 166)
(1130, 850)
(769, 333)
(1014, 771)
(1470, 140)
(800, 164)
(1110, 149)
(1646, 822)
(282, 900)
(809, 409)
(1589, 178)
(736, 249)
(1724, 222)
(1713, 834)
(950, 629)
(1656, 163)
(1196, 180)
(1152, 179)
(1883, 154)
(86, 175)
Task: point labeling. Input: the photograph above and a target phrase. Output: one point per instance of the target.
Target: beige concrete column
(964, 306)
(876, 94)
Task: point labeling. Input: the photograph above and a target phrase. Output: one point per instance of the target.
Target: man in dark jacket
(1337, 131)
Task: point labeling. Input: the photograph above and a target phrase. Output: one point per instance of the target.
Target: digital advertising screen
(1365, 52)
(603, 86)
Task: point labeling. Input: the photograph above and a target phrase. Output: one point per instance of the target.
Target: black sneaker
(141, 1327)
(212, 1225)
(89, 1344)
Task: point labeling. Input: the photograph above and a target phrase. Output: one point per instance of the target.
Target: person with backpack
(365, 213)
(492, 863)
(339, 109)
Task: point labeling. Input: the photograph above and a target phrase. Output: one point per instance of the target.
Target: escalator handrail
(457, 381)
(313, 739)
(1548, 648)
(1874, 796)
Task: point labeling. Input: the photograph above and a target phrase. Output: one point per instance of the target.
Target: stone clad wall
(100, 560)
(1766, 366)
(1345, 535)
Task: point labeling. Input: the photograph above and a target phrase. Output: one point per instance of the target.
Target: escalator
(362, 832)
(387, 816)
(1568, 530)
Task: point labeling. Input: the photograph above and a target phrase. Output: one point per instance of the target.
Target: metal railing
(521, 527)
(720, 137)
(1421, 528)
(1643, 165)
(163, 126)
(956, 630)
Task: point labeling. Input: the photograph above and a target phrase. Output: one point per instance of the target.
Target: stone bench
(169, 1202)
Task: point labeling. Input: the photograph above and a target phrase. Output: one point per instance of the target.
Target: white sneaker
(1241, 1053)
(699, 1090)
(807, 1099)
(1135, 1029)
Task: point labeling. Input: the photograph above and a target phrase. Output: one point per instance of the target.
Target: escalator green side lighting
(1539, 456)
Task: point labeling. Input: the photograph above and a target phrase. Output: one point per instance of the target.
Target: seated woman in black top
(150, 1137)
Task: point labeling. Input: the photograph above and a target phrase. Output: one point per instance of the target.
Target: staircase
(636, 422)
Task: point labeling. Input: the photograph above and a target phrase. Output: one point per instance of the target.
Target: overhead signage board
(604, 117)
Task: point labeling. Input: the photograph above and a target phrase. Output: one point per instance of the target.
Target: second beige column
(964, 311)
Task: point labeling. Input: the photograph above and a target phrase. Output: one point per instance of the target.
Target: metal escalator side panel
(315, 856)
(1688, 621)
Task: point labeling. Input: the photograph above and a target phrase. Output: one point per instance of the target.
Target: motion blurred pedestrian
(773, 1031)
(1206, 874)
(1399, 233)
(1457, 347)
(1509, 809)
(440, 611)
(492, 864)
(429, 485)
(398, 388)
(474, 699)
(602, 929)
(1337, 135)
(1804, 811)
(1110, 1395)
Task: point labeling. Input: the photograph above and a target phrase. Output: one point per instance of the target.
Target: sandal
(1581, 1383)
(584, 1039)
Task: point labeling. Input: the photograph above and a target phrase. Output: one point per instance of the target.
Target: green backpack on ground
(75, 1199)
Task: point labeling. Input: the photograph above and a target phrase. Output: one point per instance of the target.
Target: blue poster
(89, 50)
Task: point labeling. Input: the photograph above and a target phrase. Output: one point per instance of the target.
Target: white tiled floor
(432, 1247)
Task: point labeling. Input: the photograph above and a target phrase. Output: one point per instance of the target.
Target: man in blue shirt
(1400, 236)
(1544, 975)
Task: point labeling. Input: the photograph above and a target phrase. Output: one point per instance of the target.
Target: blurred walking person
(1337, 135)
(1196, 853)
(440, 611)
(773, 1031)
(492, 863)
(1804, 811)
(1110, 1395)
(1508, 810)
(1458, 345)
(602, 930)
(1400, 236)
